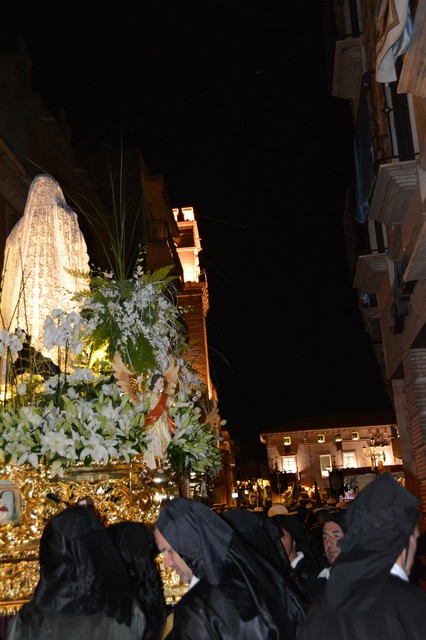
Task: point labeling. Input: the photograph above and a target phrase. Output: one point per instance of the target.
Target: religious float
(98, 403)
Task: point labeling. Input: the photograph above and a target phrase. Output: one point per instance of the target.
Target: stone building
(334, 452)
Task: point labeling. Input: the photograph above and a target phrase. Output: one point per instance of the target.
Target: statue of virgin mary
(45, 259)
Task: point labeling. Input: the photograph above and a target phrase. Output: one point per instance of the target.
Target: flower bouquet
(87, 398)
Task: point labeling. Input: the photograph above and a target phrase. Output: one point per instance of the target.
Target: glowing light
(45, 259)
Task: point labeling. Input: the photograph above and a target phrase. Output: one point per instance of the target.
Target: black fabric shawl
(198, 535)
(298, 531)
(308, 568)
(81, 570)
(259, 531)
(379, 523)
(264, 534)
(240, 592)
(396, 614)
(136, 543)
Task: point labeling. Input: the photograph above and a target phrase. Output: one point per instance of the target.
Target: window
(349, 459)
(290, 464)
(325, 463)
(338, 437)
(287, 440)
(355, 435)
(321, 438)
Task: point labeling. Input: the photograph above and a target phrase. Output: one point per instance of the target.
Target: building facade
(332, 454)
(377, 64)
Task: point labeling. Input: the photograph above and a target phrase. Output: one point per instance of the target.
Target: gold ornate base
(119, 492)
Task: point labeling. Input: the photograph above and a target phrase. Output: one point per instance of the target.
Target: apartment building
(376, 53)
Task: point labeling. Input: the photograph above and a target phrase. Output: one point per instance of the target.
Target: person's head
(288, 540)
(81, 571)
(137, 545)
(172, 560)
(295, 538)
(260, 531)
(332, 533)
(157, 383)
(289, 544)
(193, 538)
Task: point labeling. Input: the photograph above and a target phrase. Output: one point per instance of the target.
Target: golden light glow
(119, 492)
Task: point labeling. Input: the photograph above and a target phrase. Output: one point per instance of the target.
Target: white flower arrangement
(80, 415)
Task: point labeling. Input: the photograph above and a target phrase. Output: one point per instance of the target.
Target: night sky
(230, 101)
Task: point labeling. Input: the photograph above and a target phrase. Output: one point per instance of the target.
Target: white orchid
(57, 442)
(99, 449)
(11, 343)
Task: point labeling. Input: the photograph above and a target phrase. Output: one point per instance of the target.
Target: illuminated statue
(159, 424)
(44, 254)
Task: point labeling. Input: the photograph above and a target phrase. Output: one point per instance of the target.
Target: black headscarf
(81, 570)
(264, 534)
(379, 521)
(257, 530)
(136, 543)
(198, 535)
(337, 516)
(298, 532)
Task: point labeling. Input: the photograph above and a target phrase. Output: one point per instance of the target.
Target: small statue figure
(158, 422)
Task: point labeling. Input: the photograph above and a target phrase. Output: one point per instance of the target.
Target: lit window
(287, 440)
(338, 437)
(355, 435)
(325, 463)
(349, 459)
(289, 464)
(321, 437)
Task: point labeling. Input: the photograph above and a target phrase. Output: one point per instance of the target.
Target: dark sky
(230, 101)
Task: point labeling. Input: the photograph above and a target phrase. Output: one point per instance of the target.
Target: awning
(363, 156)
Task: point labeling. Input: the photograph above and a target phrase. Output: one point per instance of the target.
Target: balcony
(347, 72)
(371, 273)
(395, 186)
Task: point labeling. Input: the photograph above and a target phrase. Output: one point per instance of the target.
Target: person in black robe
(137, 545)
(302, 553)
(264, 534)
(84, 590)
(235, 593)
(368, 594)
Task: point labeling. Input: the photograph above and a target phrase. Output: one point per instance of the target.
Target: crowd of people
(249, 574)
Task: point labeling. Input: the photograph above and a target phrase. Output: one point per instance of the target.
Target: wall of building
(392, 273)
(307, 451)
